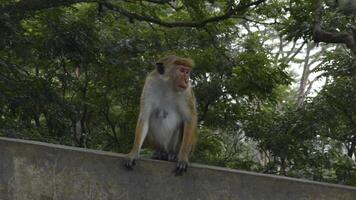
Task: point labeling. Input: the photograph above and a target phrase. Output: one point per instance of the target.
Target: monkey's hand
(182, 166)
(130, 161)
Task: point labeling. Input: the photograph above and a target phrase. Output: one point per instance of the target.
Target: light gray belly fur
(164, 127)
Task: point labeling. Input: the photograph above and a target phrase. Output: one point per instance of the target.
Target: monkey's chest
(164, 125)
(165, 118)
(160, 114)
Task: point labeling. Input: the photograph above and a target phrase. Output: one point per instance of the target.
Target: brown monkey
(167, 113)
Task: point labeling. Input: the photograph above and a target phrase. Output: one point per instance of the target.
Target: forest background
(275, 80)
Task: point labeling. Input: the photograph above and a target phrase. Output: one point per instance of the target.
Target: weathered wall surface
(40, 171)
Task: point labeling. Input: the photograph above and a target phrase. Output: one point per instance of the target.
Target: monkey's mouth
(183, 84)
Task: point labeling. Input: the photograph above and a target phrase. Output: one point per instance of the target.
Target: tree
(231, 9)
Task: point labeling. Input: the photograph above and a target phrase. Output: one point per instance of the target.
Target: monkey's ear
(160, 68)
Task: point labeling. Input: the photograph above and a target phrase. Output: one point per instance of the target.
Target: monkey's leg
(163, 155)
(160, 155)
(140, 135)
(172, 157)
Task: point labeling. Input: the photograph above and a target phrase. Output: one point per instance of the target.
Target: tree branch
(197, 24)
(159, 1)
(290, 58)
(25, 6)
(320, 35)
(258, 22)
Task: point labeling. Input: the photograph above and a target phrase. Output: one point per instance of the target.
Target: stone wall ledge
(31, 170)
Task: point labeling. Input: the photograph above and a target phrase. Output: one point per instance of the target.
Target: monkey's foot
(130, 162)
(160, 155)
(172, 157)
(181, 167)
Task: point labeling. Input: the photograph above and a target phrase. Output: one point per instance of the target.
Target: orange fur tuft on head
(185, 62)
(177, 60)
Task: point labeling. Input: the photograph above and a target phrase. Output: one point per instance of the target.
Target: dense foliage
(72, 74)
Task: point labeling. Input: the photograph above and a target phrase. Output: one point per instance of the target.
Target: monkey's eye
(184, 70)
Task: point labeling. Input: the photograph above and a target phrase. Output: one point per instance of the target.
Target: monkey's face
(175, 71)
(182, 78)
(177, 75)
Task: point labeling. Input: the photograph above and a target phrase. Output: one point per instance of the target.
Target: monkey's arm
(140, 135)
(189, 140)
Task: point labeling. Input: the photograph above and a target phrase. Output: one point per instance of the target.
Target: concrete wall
(40, 171)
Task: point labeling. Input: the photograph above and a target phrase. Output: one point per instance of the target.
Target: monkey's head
(176, 70)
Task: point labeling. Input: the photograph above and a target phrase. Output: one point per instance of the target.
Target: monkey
(167, 114)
